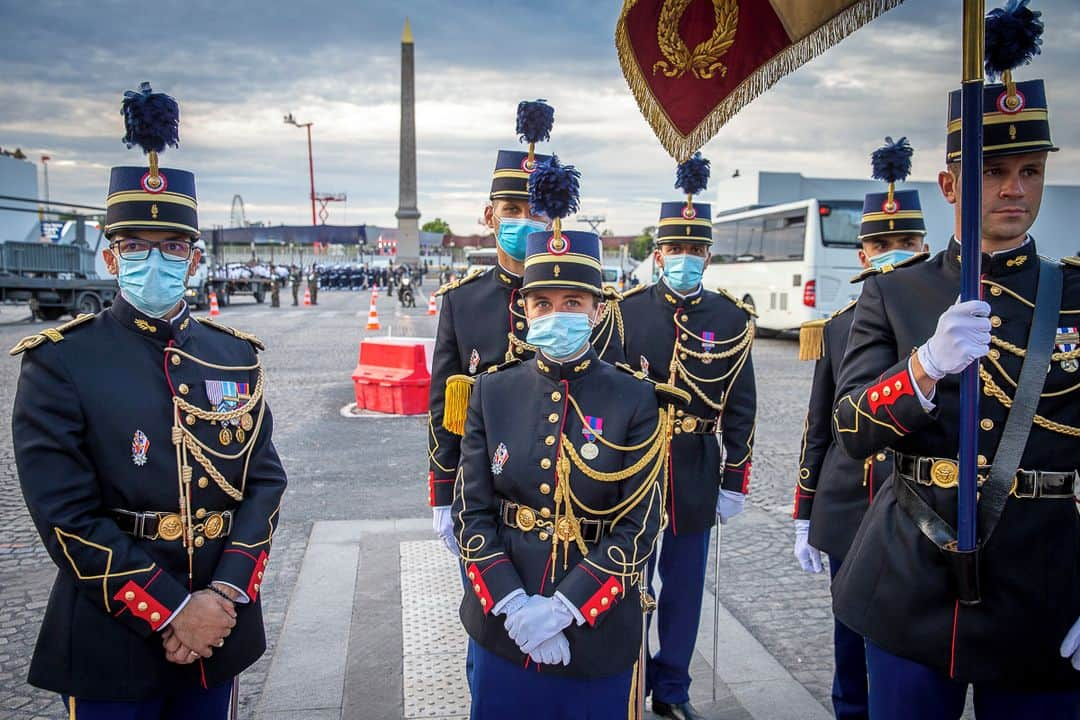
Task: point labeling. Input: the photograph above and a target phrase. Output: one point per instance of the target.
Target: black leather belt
(526, 519)
(944, 473)
(170, 526)
(694, 425)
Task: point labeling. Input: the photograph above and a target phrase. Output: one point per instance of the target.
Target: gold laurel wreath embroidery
(704, 60)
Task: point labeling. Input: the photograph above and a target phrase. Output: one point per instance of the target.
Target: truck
(228, 281)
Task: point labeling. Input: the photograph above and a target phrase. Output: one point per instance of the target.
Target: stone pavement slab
(406, 647)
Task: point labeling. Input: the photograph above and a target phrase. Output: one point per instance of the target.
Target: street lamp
(290, 120)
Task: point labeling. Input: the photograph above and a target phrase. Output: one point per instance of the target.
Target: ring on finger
(220, 643)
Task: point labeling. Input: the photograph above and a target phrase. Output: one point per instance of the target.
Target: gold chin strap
(189, 446)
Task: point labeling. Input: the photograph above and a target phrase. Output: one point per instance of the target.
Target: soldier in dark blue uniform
(482, 321)
(833, 490)
(1008, 625)
(559, 496)
(143, 445)
(679, 333)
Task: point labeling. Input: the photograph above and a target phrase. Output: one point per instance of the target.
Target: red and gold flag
(693, 64)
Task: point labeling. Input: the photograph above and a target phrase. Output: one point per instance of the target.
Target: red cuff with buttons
(888, 391)
(602, 600)
(479, 587)
(737, 478)
(255, 583)
(142, 605)
(440, 490)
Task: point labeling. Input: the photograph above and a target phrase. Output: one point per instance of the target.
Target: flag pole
(970, 259)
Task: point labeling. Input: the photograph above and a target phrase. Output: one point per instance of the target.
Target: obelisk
(408, 215)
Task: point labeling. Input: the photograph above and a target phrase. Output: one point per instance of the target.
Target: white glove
(1070, 646)
(961, 338)
(536, 621)
(729, 504)
(809, 557)
(442, 522)
(553, 651)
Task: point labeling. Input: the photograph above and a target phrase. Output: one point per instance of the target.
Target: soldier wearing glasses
(143, 446)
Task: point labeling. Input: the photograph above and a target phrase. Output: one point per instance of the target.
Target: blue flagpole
(970, 260)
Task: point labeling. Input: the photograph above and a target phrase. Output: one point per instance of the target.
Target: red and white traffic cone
(431, 309)
(307, 297)
(373, 314)
(214, 309)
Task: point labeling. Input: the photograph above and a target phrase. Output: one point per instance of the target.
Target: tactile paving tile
(433, 640)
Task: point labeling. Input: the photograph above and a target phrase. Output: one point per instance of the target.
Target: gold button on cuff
(886, 391)
(549, 440)
(604, 601)
(553, 417)
(142, 607)
(476, 588)
(256, 587)
(899, 385)
(614, 591)
(472, 576)
(260, 574)
(594, 612)
(995, 321)
(986, 424)
(874, 397)
(483, 602)
(545, 489)
(545, 512)
(203, 482)
(155, 616)
(129, 596)
(556, 396)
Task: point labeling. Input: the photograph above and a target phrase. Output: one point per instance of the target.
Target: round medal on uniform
(225, 436)
(246, 422)
(240, 435)
(590, 451)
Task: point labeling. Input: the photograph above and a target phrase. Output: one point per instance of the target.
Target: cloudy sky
(237, 67)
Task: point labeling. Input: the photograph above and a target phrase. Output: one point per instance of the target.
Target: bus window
(784, 237)
(840, 224)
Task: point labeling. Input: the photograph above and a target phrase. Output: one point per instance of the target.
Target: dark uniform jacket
(93, 428)
(482, 324)
(664, 332)
(513, 436)
(833, 490)
(894, 587)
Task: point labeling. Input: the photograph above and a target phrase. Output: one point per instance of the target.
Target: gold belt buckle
(213, 526)
(170, 527)
(689, 423)
(525, 518)
(567, 529)
(945, 474)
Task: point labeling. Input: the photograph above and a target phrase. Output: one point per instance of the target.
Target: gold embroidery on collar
(184, 325)
(673, 301)
(1016, 261)
(145, 326)
(540, 364)
(581, 367)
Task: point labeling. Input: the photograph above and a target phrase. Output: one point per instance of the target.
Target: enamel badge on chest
(474, 361)
(140, 448)
(499, 459)
(1067, 340)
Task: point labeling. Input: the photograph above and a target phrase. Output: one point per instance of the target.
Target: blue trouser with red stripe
(681, 564)
(902, 689)
(195, 702)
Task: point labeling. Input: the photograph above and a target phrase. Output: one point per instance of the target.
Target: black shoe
(682, 711)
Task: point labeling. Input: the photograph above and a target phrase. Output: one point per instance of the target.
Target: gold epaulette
(612, 295)
(1071, 261)
(812, 339)
(913, 260)
(458, 393)
(453, 284)
(256, 342)
(635, 290)
(745, 307)
(55, 335)
(667, 393)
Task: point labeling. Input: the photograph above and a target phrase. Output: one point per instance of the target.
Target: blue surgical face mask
(890, 258)
(514, 232)
(153, 285)
(560, 334)
(683, 272)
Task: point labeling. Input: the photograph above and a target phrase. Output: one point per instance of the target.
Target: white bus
(792, 262)
(481, 258)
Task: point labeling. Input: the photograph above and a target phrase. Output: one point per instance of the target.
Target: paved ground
(370, 469)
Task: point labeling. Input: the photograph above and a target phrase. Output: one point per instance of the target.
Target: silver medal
(590, 451)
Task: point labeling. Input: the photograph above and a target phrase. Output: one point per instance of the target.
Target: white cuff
(241, 598)
(926, 402)
(578, 617)
(501, 605)
(162, 626)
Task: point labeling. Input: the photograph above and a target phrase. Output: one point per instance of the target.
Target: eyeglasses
(139, 249)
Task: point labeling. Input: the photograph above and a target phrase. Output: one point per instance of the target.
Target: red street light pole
(290, 120)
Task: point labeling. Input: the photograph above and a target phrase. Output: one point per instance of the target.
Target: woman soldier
(558, 498)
